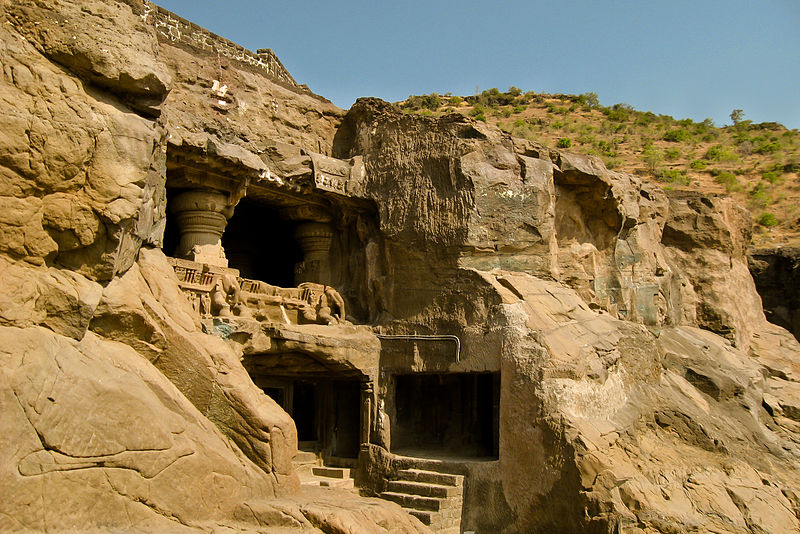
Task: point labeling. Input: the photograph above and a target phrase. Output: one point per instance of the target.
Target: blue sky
(693, 59)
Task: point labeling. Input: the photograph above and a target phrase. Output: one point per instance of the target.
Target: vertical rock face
(472, 197)
(117, 411)
(640, 387)
(618, 315)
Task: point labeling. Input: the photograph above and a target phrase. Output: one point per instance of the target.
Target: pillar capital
(315, 240)
(202, 215)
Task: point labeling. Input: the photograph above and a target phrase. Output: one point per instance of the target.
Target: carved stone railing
(217, 291)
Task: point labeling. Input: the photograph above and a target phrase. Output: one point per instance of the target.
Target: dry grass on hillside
(758, 164)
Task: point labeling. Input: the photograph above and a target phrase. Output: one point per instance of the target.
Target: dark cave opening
(261, 244)
(448, 414)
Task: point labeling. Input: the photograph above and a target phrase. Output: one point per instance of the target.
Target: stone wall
(175, 29)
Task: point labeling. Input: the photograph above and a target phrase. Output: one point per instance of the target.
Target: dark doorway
(172, 235)
(347, 418)
(451, 414)
(278, 394)
(261, 244)
(304, 410)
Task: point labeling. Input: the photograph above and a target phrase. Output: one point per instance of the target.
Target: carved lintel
(307, 212)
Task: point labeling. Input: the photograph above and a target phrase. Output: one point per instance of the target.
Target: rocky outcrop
(119, 413)
(637, 430)
(473, 197)
(640, 387)
(776, 273)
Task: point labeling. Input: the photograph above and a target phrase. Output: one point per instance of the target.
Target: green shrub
(673, 176)
(773, 176)
(677, 136)
(589, 100)
(564, 142)
(646, 119)
(455, 100)
(728, 179)
(767, 219)
(519, 109)
(698, 165)
(720, 153)
(759, 195)
(672, 153)
(480, 117)
(652, 157)
(431, 101)
(608, 148)
(769, 148)
(618, 112)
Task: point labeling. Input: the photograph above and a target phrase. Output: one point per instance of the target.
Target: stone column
(314, 233)
(202, 215)
(367, 391)
(315, 240)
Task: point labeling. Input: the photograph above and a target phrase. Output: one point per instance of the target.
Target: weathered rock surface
(642, 389)
(473, 197)
(161, 428)
(79, 173)
(653, 431)
(96, 438)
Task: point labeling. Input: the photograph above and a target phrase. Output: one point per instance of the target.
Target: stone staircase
(434, 498)
(309, 468)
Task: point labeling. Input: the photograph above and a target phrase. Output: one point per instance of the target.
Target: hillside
(756, 164)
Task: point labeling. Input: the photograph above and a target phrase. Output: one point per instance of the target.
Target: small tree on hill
(736, 116)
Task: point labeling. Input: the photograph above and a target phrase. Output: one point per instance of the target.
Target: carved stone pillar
(202, 215)
(314, 234)
(367, 391)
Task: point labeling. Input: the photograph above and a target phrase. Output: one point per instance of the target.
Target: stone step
(431, 477)
(418, 502)
(305, 457)
(328, 482)
(426, 517)
(447, 518)
(332, 472)
(423, 488)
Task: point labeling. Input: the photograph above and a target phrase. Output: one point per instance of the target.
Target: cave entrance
(450, 415)
(304, 410)
(261, 245)
(326, 413)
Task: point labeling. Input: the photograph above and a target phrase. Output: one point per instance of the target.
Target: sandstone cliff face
(642, 389)
(118, 412)
(640, 381)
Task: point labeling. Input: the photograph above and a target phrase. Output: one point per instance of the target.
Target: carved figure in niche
(225, 295)
(326, 305)
(205, 305)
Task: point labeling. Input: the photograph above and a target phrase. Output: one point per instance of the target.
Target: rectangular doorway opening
(304, 410)
(346, 418)
(448, 415)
